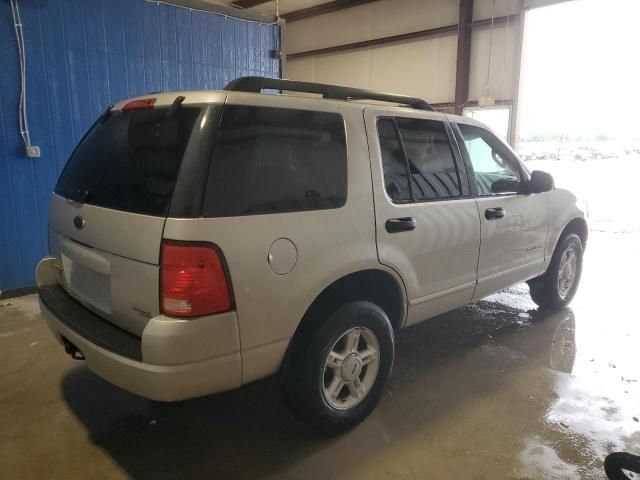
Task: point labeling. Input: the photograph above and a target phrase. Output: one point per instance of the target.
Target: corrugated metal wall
(83, 55)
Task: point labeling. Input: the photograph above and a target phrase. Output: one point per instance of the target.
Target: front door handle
(404, 224)
(494, 213)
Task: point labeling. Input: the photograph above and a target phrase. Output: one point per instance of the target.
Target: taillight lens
(193, 280)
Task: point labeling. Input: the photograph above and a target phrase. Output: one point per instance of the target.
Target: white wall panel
(347, 68)
(394, 17)
(424, 68)
(337, 28)
(502, 61)
(485, 8)
(301, 69)
(364, 22)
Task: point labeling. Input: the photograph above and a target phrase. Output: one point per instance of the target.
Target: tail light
(193, 280)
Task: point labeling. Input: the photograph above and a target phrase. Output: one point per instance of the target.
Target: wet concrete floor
(494, 390)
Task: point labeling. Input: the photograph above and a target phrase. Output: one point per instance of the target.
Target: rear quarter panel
(329, 243)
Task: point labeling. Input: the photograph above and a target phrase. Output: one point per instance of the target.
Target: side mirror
(541, 182)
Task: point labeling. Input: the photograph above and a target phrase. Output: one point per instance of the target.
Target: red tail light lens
(193, 280)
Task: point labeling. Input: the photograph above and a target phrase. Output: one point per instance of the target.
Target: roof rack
(333, 92)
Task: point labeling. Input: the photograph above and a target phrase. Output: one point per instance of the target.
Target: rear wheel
(557, 287)
(341, 376)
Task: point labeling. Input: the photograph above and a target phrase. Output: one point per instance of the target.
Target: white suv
(203, 240)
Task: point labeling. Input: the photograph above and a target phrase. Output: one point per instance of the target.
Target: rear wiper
(175, 106)
(82, 195)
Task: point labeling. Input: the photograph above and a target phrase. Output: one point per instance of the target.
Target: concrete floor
(494, 390)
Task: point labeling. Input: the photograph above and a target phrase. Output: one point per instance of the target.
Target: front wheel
(343, 372)
(557, 287)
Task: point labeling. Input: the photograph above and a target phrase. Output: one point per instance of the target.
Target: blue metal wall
(83, 55)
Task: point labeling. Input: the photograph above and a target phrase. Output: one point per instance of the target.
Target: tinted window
(396, 180)
(269, 160)
(130, 161)
(495, 172)
(433, 171)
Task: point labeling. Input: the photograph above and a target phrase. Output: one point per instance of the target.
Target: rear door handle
(404, 224)
(494, 213)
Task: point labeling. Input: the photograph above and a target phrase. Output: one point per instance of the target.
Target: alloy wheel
(351, 368)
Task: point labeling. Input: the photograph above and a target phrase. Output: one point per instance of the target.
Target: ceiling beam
(377, 41)
(321, 9)
(225, 9)
(249, 3)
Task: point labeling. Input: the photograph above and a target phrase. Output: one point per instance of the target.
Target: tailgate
(110, 264)
(110, 204)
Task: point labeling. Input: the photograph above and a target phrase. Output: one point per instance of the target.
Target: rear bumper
(179, 359)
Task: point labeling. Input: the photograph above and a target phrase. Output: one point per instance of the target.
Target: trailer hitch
(72, 350)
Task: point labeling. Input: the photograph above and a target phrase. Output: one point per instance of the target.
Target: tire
(308, 388)
(551, 291)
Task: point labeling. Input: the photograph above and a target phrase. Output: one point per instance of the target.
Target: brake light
(194, 280)
(139, 104)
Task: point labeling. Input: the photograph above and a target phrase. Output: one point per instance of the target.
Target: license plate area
(86, 275)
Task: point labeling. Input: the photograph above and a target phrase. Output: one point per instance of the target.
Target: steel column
(463, 60)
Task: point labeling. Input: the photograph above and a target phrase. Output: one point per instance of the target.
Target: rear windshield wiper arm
(82, 195)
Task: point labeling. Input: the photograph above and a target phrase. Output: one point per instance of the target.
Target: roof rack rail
(333, 92)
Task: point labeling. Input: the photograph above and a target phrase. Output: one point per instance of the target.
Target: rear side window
(424, 152)
(396, 178)
(271, 160)
(130, 161)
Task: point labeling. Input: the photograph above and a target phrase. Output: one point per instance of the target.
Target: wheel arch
(578, 225)
(543, 288)
(376, 285)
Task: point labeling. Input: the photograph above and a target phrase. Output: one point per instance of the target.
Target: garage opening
(578, 105)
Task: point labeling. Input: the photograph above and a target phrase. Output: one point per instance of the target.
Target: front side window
(495, 172)
(273, 160)
(419, 164)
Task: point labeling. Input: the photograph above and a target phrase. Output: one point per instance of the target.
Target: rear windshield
(272, 160)
(130, 161)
